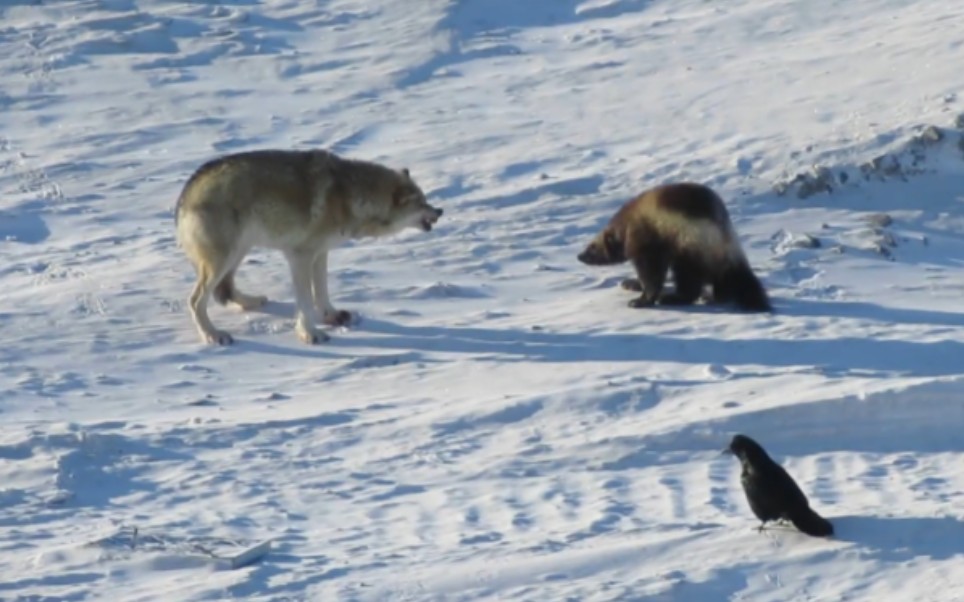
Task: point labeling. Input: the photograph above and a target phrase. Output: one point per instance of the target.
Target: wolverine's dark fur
(774, 495)
(685, 228)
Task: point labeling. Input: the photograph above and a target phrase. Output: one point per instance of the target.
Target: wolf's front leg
(319, 289)
(300, 264)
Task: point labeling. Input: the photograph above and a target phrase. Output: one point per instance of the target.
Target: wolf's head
(409, 206)
(607, 248)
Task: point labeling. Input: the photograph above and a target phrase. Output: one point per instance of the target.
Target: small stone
(820, 180)
(893, 168)
(822, 174)
(880, 220)
(882, 250)
(805, 241)
(59, 498)
(888, 240)
(931, 134)
(843, 177)
(717, 371)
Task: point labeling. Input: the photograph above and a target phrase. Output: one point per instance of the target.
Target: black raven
(771, 492)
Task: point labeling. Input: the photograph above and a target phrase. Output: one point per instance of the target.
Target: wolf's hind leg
(198, 303)
(226, 292)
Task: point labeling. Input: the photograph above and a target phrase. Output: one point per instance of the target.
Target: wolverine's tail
(746, 290)
(811, 523)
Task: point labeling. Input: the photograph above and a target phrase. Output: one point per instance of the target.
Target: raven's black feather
(772, 493)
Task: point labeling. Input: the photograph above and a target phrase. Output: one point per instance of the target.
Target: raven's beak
(726, 452)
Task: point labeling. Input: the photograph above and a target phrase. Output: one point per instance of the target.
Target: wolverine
(303, 203)
(683, 227)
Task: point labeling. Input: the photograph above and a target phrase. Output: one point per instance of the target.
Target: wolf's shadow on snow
(839, 354)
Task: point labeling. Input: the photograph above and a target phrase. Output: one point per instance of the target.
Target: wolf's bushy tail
(810, 522)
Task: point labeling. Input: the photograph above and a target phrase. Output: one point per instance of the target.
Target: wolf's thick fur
(303, 203)
(684, 227)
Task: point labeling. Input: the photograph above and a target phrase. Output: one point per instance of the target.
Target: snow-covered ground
(499, 426)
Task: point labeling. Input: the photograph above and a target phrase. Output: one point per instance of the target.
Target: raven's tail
(811, 523)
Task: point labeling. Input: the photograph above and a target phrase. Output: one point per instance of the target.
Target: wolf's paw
(249, 302)
(339, 317)
(310, 336)
(640, 302)
(631, 284)
(218, 337)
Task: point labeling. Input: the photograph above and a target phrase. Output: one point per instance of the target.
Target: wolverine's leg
(300, 264)
(688, 275)
(651, 268)
(319, 289)
(631, 284)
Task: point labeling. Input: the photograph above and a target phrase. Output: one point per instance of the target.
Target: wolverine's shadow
(902, 539)
(867, 311)
(846, 354)
(808, 308)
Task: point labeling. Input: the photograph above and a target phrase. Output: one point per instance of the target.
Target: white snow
(500, 425)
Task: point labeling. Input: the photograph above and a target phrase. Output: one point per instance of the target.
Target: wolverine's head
(606, 249)
(410, 205)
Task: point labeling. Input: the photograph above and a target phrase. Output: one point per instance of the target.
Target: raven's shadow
(900, 539)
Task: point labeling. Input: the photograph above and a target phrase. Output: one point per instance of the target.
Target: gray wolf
(684, 227)
(300, 202)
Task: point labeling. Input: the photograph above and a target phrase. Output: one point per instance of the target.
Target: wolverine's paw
(218, 337)
(675, 299)
(631, 284)
(640, 302)
(339, 317)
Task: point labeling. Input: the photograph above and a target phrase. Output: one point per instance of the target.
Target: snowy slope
(500, 426)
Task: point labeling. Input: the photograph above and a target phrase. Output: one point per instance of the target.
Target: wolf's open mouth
(427, 224)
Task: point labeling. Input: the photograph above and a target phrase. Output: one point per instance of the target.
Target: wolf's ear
(405, 173)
